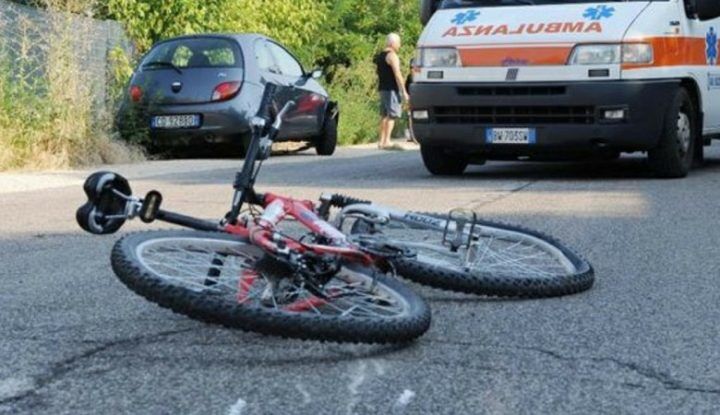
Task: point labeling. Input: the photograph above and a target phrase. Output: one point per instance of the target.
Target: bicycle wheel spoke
(191, 264)
(501, 253)
(222, 279)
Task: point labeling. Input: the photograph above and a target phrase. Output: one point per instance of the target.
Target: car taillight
(136, 93)
(226, 90)
(309, 103)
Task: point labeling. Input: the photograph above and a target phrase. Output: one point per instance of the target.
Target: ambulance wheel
(441, 163)
(673, 157)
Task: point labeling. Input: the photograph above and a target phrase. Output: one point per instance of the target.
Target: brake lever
(281, 115)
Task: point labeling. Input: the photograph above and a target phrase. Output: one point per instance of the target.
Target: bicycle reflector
(151, 206)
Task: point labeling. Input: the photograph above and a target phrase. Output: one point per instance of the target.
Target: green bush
(354, 88)
(49, 112)
(55, 120)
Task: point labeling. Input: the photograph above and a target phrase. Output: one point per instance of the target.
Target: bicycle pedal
(454, 235)
(150, 207)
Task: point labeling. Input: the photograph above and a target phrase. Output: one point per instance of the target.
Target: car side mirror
(707, 9)
(315, 74)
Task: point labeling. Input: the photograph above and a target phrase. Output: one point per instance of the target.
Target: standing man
(391, 85)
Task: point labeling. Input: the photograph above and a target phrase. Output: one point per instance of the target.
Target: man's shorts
(390, 104)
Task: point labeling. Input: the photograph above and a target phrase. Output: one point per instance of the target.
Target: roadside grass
(355, 89)
(51, 116)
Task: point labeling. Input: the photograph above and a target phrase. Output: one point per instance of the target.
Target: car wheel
(441, 163)
(326, 143)
(673, 157)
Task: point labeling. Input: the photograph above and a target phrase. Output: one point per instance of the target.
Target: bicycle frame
(263, 232)
(385, 214)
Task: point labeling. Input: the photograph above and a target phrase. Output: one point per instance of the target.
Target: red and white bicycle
(245, 272)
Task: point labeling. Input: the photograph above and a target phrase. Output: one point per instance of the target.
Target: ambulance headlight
(632, 53)
(438, 57)
(637, 53)
(595, 55)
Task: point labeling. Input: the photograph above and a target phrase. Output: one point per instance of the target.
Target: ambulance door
(704, 50)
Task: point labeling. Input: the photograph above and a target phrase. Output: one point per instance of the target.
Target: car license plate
(166, 122)
(510, 136)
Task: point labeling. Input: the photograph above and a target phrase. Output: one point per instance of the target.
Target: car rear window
(197, 53)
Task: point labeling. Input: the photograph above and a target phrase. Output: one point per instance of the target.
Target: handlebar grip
(267, 100)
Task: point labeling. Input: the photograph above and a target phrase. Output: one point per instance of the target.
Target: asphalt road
(646, 339)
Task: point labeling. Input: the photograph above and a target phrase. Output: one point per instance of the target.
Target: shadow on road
(387, 170)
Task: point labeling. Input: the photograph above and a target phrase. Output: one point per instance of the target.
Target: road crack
(654, 375)
(62, 368)
(504, 195)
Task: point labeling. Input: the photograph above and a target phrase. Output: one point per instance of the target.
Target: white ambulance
(559, 79)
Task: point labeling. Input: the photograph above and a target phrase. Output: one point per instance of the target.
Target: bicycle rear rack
(456, 238)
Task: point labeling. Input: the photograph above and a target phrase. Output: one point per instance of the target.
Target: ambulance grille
(515, 115)
(511, 90)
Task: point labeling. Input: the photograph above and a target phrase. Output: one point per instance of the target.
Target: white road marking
(305, 394)
(403, 401)
(357, 378)
(238, 407)
(379, 367)
(14, 387)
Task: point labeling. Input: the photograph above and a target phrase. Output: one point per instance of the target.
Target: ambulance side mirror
(707, 9)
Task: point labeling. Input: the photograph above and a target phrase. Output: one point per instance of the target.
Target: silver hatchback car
(199, 92)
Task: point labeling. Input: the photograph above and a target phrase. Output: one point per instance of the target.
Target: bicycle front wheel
(216, 278)
(499, 260)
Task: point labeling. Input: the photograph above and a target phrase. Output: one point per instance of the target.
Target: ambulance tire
(441, 163)
(673, 157)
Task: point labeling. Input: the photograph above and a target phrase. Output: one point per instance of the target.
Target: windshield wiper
(163, 63)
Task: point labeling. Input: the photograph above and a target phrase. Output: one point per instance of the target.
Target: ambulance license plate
(510, 136)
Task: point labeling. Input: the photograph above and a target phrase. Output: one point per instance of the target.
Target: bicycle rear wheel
(214, 277)
(502, 260)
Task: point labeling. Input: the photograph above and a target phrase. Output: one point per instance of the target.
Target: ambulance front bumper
(568, 117)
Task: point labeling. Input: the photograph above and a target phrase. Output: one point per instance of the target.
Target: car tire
(673, 157)
(441, 163)
(326, 143)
